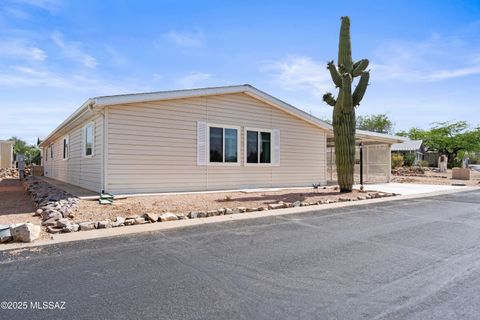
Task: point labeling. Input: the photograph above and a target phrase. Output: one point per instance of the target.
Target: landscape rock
(228, 211)
(168, 216)
(221, 211)
(38, 213)
(296, 204)
(193, 214)
(63, 222)
(252, 209)
(304, 204)
(273, 206)
(240, 210)
(212, 213)
(139, 220)
(25, 232)
(5, 235)
(54, 230)
(181, 216)
(104, 224)
(129, 222)
(86, 226)
(152, 217)
(50, 222)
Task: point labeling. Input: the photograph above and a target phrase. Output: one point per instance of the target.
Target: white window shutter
(201, 143)
(276, 147)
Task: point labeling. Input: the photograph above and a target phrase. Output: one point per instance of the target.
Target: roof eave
(84, 107)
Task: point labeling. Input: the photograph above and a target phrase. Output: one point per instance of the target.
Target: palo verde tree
(344, 105)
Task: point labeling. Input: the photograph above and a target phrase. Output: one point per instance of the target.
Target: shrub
(423, 163)
(397, 160)
(409, 159)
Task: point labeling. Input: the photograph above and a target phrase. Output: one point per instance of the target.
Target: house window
(259, 146)
(88, 140)
(223, 144)
(51, 151)
(65, 152)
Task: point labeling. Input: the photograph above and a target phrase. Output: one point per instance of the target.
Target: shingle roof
(410, 145)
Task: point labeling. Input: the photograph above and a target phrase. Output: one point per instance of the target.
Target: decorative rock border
(168, 216)
(56, 207)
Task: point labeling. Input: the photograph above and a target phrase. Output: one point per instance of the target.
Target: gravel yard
(432, 177)
(184, 203)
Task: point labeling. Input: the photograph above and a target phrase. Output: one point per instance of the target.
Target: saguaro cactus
(344, 105)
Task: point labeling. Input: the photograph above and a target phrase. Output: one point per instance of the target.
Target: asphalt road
(416, 259)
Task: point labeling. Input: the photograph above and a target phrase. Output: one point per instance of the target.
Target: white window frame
(51, 151)
(271, 164)
(223, 126)
(84, 130)
(66, 156)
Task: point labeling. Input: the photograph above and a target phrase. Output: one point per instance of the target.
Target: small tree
(31, 152)
(376, 122)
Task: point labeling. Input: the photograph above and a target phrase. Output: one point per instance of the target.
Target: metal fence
(376, 164)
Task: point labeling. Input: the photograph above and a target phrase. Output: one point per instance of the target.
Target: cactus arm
(361, 88)
(329, 99)
(337, 79)
(359, 67)
(344, 47)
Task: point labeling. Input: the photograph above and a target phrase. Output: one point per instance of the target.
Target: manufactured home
(220, 138)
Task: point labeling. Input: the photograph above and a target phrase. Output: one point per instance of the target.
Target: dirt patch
(432, 177)
(91, 210)
(16, 205)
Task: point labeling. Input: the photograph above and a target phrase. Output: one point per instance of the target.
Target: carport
(376, 157)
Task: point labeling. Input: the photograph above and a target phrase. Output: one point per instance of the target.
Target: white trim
(84, 139)
(66, 137)
(270, 164)
(223, 126)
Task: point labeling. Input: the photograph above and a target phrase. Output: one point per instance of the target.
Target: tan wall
(152, 147)
(6, 155)
(77, 169)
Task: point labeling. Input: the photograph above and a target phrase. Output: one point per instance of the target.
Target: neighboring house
(192, 140)
(414, 147)
(6, 154)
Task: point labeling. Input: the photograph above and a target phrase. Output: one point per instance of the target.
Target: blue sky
(54, 54)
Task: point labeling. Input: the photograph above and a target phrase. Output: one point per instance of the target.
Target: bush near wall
(397, 160)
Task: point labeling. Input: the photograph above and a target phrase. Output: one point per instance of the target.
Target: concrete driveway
(395, 260)
(410, 188)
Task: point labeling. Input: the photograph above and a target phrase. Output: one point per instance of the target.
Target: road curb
(163, 226)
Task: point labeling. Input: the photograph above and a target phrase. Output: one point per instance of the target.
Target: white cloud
(17, 13)
(434, 59)
(49, 5)
(20, 49)
(194, 79)
(72, 50)
(300, 73)
(186, 39)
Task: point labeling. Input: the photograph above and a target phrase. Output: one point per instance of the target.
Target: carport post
(361, 165)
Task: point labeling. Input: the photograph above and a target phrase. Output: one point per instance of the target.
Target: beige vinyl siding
(77, 169)
(152, 146)
(6, 155)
